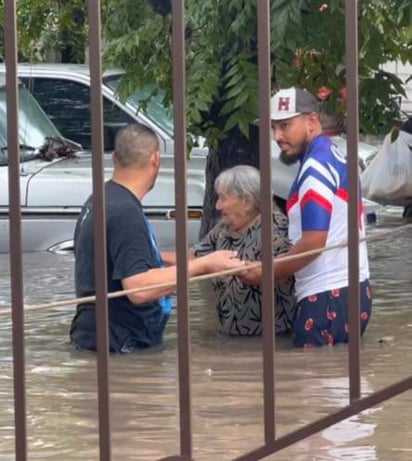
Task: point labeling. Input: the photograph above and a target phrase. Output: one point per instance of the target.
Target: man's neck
(309, 145)
(312, 138)
(135, 181)
(315, 134)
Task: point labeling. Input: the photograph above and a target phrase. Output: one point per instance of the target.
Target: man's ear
(314, 120)
(314, 117)
(156, 158)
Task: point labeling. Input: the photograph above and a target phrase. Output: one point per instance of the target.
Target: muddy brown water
(227, 388)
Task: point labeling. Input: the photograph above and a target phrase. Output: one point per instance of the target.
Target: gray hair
(243, 181)
(134, 145)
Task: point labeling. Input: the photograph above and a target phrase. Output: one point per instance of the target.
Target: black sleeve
(129, 244)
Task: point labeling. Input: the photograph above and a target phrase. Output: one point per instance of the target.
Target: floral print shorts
(322, 319)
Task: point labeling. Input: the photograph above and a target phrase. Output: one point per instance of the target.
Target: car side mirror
(109, 133)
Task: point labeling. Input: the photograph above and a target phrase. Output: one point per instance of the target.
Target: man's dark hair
(134, 145)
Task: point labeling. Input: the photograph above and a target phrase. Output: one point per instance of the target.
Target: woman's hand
(221, 261)
(252, 276)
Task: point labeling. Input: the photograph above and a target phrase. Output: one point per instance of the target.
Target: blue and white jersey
(318, 201)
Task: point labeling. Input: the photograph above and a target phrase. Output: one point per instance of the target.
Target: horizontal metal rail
(354, 408)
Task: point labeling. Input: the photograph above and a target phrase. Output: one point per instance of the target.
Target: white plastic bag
(388, 178)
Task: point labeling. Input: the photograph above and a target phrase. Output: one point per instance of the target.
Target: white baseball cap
(291, 102)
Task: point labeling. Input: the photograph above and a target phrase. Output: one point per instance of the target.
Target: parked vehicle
(52, 192)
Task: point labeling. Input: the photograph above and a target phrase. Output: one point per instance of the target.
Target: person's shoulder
(219, 228)
(218, 232)
(118, 191)
(121, 199)
(323, 149)
(122, 208)
(327, 159)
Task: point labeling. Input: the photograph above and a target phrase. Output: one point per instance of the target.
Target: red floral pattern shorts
(322, 319)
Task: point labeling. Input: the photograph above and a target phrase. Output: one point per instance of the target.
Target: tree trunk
(234, 150)
(73, 51)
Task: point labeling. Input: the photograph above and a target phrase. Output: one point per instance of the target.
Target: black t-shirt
(130, 251)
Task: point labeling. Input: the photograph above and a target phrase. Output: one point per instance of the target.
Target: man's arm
(169, 258)
(311, 240)
(214, 262)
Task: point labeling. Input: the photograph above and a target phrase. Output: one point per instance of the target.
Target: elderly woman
(240, 306)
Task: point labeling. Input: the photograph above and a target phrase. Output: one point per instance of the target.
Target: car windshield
(155, 110)
(34, 125)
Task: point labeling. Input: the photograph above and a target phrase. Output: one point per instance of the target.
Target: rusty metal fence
(272, 443)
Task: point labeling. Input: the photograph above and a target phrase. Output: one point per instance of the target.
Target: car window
(155, 108)
(34, 126)
(67, 103)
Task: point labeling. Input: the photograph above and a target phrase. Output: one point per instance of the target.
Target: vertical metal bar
(353, 212)
(99, 216)
(183, 327)
(263, 18)
(16, 266)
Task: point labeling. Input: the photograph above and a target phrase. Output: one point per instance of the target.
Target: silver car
(52, 192)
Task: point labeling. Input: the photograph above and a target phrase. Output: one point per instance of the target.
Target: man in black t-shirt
(138, 320)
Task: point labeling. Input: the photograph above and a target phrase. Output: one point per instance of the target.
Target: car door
(38, 230)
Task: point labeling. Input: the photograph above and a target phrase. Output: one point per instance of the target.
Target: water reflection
(226, 379)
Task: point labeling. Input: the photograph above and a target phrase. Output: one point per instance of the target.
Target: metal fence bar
(99, 216)
(183, 327)
(354, 408)
(16, 265)
(263, 17)
(351, 31)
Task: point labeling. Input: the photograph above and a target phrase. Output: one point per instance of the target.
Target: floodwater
(226, 378)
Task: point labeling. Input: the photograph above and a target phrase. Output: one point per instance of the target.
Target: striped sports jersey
(318, 201)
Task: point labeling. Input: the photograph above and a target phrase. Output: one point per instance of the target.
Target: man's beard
(289, 159)
(292, 158)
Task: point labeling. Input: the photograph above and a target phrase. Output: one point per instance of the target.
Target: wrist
(198, 266)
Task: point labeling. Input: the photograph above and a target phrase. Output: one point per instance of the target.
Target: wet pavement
(226, 378)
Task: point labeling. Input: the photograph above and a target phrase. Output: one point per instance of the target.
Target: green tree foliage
(221, 55)
(318, 57)
(221, 61)
(46, 26)
(222, 70)
(221, 51)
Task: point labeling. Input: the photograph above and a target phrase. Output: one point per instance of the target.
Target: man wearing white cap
(317, 210)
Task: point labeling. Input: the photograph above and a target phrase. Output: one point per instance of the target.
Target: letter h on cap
(283, 104)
